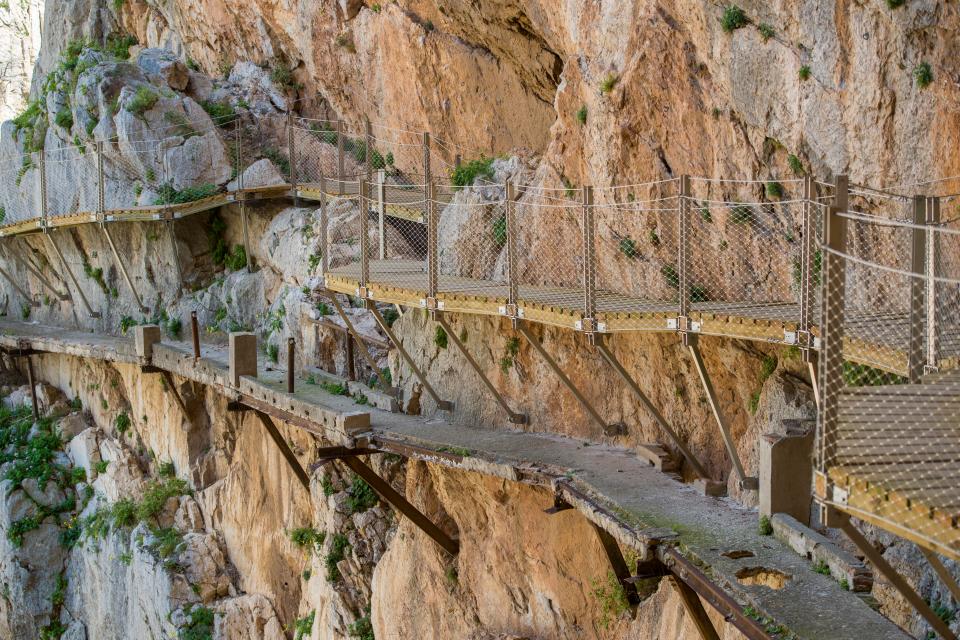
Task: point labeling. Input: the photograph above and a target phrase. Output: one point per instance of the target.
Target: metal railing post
(433, 244)
(101, 198)
(340, 171)
(324, 221)
(291, 154)
(933, 272)
(43, 188)
(364, 237)
(831, 331)
(683, 249)
(382, 212)
(511, 225)
(367, 148)
(589, 263)
(806, 257)
(917, 313)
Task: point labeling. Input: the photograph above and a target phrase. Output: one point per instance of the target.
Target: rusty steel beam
(694, 608)
(716, 597)
(899, 583)
(617, 563)
(33, 389)
(392, 496)
(288, 454)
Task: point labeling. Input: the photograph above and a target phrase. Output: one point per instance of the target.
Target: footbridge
(863, 282)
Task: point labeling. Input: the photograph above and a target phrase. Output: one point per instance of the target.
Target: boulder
(262, 173)
(165, 65)
(71, 425)
(84, 451)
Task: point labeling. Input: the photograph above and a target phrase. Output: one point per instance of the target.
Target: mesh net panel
(889, 439)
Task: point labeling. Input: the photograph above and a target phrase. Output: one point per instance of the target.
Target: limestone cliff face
(687, 97)
(663, 90)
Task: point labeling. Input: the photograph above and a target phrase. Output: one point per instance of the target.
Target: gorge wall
(583, 92)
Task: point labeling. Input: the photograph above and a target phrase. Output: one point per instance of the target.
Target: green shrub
(795, 165)
(166, 194)
(221, 112)
(166, 542)
(923, 75)
(467, 173)
(670, 275)
(582, 115)
(142, 101)
(308, 538)
(25, 311)
(741, 214)
(273, 352)
(303, 627)
(118, 45)
(64, 118)
(822, 568)
(893, 4)
(126, 322)
(764, 527)
(654, 238)
(390, 315)
(766, 31)
(628, 247)
(3, 214)
(362, 629)
(122, 423)
(861, 375)
(440, 338)
(754, 402)
(612, 598)
(767, 366)
(238, 259)
(277, 158)
(498, 231)
(362, 496)
(157, 493)
(337, 553)
(774, 189)
(609, 82)
(804, 72)
(733, 18)
(199, 624)
(282, 76)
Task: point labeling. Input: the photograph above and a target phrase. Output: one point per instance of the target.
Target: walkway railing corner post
(101, 187)
(932, 296)
(291, 154)
(510, 214)
(831, 329)
(42, 162)
(364, 197)
(589, 323)
(433, 262)
(917, 288)
(340, 170)
(367, 148)
(804, 336)
(382, 212)
(324, 233)
(683, 260)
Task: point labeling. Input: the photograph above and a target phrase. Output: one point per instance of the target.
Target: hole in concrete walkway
(763, 576)
(738, 554)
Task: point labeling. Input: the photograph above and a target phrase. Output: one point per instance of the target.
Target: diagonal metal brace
(444, 405)
(43, 280)
(896, 579)
(515, 417)
(290, 457)
(747, 483)
(73, 278)
(694, 608)
(123, 268)
(942, 572)
(170, 386)
(360, 342)
(392, 496)
(607, 428)
(15, 285)
(645, 401)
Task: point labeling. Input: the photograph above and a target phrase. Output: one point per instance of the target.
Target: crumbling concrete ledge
(612, 487)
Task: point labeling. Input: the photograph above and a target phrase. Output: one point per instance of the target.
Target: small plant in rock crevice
(609, 82)
(804, 73)
(733, 18)
(923, 75)
(303, 627)
(582, 115)
(611, 597)
(440, 338)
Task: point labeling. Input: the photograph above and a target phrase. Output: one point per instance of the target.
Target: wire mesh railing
(888, 436)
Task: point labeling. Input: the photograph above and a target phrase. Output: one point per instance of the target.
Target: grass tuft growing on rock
(142, 101)
(923, 75)
(611, 597)
(468, 173)
(303, 627)
(733, 18)
(199, 625)
(440, 338)
(362, 496)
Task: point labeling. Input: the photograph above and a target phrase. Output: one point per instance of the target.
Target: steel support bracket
(590, 326)
(400, 503)
(288, 454)
(363, 292)
(559, 504)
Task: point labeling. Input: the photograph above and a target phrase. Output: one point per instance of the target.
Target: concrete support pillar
(243, 356)
(786, 469)
(145, 336)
